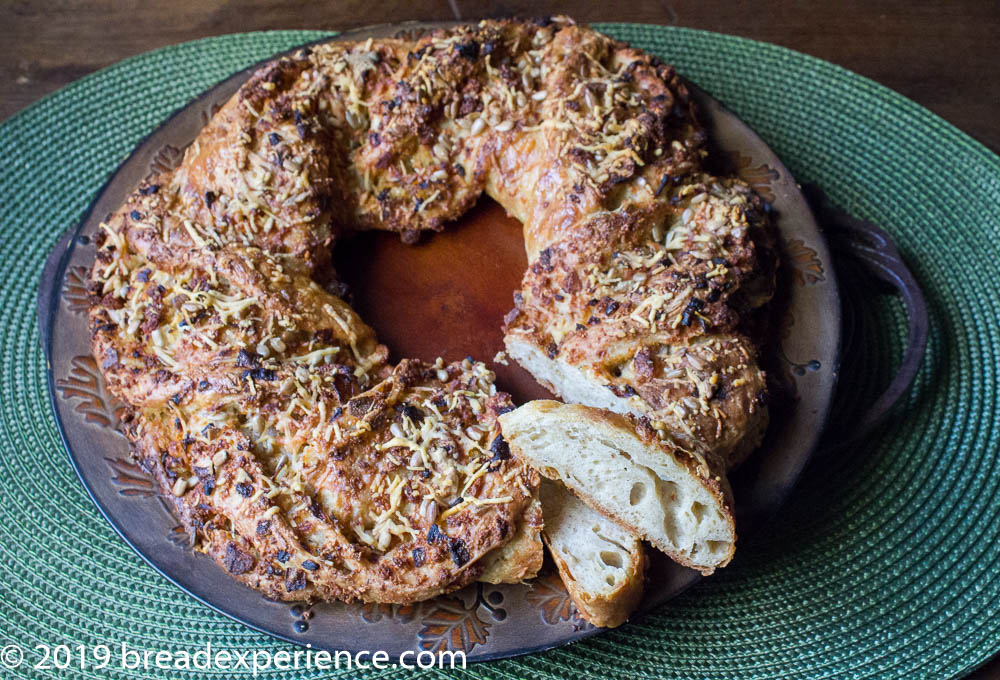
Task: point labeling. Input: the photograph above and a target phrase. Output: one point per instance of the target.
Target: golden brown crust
(651, 303)
(521, 558)
(209, 318)
(361, 512)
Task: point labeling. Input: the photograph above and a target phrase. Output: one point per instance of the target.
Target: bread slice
(617, 466)
(601, 563)
(521, 557)
(567, 381)
(607, 376)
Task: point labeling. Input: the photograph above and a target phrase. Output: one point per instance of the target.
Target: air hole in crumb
(612, 559)
(610, 580)
(698, 510)
(718, 546)
(637, 493)
(666, 490)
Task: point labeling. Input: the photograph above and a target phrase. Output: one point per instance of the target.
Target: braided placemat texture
(884, 563)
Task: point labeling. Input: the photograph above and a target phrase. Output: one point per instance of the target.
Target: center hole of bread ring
(444, 296)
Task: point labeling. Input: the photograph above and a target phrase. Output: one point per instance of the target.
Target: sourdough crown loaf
(298, 457)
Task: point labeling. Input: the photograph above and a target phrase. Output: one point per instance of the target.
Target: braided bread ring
(297, 456)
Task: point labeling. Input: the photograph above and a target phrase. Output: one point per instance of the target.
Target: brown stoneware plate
(422, 305)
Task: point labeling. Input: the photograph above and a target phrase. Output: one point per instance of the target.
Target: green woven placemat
(884, 563)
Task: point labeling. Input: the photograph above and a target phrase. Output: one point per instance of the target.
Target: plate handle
(874, 249)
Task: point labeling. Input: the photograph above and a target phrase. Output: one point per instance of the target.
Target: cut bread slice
(617, 466)
(521, 557)
(568, 382)
(724, 431)
(601, 563)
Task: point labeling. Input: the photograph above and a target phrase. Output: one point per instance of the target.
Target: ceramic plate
(422, 306)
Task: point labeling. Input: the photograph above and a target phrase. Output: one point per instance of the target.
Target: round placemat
(882, 564)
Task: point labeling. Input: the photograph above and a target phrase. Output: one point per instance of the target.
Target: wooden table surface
(940, 54)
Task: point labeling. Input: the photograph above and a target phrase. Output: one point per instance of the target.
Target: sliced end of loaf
(563, 379)
(601, 563)
(650, 487)
(725, 434)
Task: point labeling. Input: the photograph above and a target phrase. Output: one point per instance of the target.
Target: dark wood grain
(940, 54)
